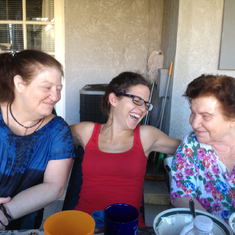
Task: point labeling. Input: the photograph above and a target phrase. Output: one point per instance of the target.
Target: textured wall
(169, 39)
(169, 30)
(104, 38)
(197, 52)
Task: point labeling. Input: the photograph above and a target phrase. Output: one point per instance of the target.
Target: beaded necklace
(26, 127)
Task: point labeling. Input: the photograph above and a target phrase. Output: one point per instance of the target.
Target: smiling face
(129, 113)
(208, 122)
(43, 92)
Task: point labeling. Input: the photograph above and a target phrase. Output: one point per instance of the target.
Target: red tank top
(110, 178)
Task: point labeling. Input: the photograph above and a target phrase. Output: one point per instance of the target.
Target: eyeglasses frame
(133, 97)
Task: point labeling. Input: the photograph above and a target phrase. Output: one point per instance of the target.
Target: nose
(194, 121)
(142, 107)
(55, 95)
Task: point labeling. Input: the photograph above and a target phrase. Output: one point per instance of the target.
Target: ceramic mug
(121, 219)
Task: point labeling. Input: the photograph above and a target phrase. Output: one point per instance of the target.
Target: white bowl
(172, 222)
(232, 222)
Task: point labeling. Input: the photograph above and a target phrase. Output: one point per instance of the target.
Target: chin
(132, 126)
(203, 140)
(46, 112)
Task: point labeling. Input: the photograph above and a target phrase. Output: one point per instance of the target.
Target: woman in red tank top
(116, 152)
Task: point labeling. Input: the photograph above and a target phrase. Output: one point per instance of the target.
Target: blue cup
(121, 219)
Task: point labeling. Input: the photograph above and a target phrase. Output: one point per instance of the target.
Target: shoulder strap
(137, 140)
(93, 141)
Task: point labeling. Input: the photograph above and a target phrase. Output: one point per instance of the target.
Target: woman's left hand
(3, 219)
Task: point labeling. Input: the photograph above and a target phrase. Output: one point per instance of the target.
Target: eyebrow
(46, 82)
(203, 113)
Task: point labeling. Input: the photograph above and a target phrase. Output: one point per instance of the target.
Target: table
(98, 231)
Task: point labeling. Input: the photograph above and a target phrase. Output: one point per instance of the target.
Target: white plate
(172, 222)
(232, 222)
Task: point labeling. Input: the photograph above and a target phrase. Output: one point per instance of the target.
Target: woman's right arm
(81, 133)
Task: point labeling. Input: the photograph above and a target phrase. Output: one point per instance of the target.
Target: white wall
(197, 52)
(104, 38)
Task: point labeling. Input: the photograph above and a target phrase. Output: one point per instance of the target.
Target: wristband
(3, 209)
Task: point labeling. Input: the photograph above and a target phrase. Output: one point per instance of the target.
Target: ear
(113, 99)
(19, 83)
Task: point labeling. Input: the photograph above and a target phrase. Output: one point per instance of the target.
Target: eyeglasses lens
(139, 101)
(147, 105)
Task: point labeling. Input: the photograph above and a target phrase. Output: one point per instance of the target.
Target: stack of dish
(232, 222)
(172, 222)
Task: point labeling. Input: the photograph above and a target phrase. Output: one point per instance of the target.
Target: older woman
(203, 166)
(36, 147)
(116, 152)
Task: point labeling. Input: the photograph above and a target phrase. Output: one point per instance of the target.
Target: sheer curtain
(48, 36)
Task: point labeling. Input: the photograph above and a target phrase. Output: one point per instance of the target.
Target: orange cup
(69, 222)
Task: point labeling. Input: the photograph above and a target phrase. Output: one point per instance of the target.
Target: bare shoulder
(82, 132)
(82, 126)
(153, 139)
(147, 131)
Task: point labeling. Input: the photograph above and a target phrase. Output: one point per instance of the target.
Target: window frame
(59, 41)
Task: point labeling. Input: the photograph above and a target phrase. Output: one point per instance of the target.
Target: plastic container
(91, 103)
(203, 225)
(69, 222)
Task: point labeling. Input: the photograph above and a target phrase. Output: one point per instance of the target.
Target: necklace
(26, 127)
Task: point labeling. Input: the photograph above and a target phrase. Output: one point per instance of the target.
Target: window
(27, 24)
(31, 24)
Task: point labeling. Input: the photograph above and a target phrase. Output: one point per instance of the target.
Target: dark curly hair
(220, 86)
(121, 84)
(27, 64)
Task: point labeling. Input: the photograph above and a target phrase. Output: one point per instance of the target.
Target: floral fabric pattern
(198, 172)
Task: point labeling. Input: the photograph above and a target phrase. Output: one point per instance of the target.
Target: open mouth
(135, 116)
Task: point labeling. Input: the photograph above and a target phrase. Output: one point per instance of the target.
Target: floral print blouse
(198, 172)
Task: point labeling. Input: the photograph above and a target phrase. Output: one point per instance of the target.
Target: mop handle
(164, 105)
(161, 155)
(170, 69)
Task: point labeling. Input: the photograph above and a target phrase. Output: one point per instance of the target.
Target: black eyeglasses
(138, 101)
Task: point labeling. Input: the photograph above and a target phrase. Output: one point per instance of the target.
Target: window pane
(11, 10)
(41, 37)
(11, 37)
(40, 10)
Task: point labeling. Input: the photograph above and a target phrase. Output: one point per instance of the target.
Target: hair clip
(14, 54)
